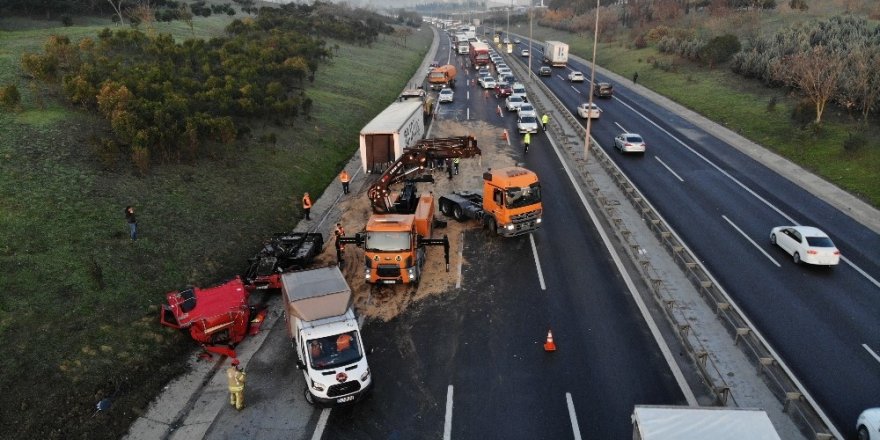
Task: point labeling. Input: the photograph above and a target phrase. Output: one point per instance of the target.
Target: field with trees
(800, 77)
(79, 314)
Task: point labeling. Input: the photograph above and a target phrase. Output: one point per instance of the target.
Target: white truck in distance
(556, 53)
(325, 334)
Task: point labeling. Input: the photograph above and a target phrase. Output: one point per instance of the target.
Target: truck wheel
(444, 208)
(489, 227)
(457, 213)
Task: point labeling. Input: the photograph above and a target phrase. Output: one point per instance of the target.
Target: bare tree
(815, 72)
(117, 6)
(863, 86)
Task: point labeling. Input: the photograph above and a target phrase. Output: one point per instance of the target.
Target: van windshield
(334, 351)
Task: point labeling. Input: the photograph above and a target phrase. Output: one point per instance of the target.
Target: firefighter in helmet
(236, 377)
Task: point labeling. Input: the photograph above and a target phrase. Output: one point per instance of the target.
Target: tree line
(170, 101)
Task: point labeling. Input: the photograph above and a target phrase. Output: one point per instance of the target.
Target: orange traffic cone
(549, 345)
(504, 134)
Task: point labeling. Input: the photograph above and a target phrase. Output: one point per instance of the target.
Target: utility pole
(592, 85)
(531, 74)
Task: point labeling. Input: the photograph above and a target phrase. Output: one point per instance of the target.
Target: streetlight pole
(508, 19)
(531, 75)
(592, 85)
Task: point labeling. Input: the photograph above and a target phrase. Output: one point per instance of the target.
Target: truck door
(380, 151)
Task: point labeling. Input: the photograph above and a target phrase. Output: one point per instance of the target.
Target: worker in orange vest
(307, 205)
(236, 377)
(343, 177)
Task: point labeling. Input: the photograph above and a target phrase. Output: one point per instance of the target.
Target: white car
(525, 52)
(576, 76)
(519, 90)
(868, 424)
(806, 244)
(526, 109)
(629, 143)
(487, 82)
(505, 71)
(513, 102)
(589, 110)
(527, 124)
(445, 95)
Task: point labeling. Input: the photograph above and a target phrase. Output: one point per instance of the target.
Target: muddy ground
(387, 302)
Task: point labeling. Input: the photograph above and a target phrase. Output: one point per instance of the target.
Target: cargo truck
(324, 331)
(701, 423)
(479, 54)
(556, 53)
(383, 139)
(442, 76)
(510, 204)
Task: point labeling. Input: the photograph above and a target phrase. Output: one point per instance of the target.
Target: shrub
(771, 104)
(799, 5)
(803, 113)
(10, 98)
(854, 142)
(720, 49)
(640, 42)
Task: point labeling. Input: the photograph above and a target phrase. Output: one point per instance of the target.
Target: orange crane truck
(402, 223)
(510, 204)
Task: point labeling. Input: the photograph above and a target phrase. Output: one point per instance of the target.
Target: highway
(823, 322)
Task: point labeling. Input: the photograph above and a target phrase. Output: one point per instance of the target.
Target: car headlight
(509, 227)
(366, 375)
(538, 220)
(317, 386)
(367, 274)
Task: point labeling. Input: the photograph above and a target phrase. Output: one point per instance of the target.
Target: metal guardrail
(780, 381)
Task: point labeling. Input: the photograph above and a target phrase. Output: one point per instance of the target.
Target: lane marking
(322, 423)
(467, 117)
(560, 77)
(773, 260)
(669, 169)
(743, 186)
(460, 258)
(537, 262)
(876, 356)
(576, 90)
(620, 126)
(575, 428)
(631, 286)
(447, 422)
(468, 95)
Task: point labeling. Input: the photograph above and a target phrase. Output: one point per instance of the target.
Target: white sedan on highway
(576, 76)
(868, 425)
(446, 95)
(487, 82)
(589, 110)
(806, 244)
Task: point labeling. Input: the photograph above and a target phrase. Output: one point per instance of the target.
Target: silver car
(513, 102)
(487, 82)
(527, 124)
(527, 109)
(629, 143)
(446, 95)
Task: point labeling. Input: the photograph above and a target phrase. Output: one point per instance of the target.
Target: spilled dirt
(387, 302)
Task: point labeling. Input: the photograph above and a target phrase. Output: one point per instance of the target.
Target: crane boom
(412, 163)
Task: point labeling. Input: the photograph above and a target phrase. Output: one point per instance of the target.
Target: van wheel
(457, 213)
(309, 397)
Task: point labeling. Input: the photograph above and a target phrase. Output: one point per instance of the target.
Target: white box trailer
(556, 53)
(701, 423)
(384, 138)
(324, 331)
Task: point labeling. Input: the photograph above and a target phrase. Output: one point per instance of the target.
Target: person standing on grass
(636, 78)
(132, 223)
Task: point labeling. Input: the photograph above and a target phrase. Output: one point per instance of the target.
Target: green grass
(741, 105)
(79, 313)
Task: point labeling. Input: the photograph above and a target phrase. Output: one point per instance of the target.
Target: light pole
(530, 43)
(592, 85)
(508, 19)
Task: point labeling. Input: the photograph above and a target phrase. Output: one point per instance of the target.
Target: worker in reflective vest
(544, 121)
(307, 205)
(455, 163)
(526, 141)
(343, 177)
(236, 377)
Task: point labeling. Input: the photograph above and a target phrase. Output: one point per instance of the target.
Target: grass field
(79, 313)
(742, 106)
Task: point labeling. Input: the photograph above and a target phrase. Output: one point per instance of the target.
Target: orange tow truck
(402, 223)
(510, 204)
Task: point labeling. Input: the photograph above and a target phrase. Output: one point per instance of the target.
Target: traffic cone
(549, 345)
(504, 135)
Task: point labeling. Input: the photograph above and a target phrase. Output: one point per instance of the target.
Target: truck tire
(444, 207)
(457, 213)
(489, 226)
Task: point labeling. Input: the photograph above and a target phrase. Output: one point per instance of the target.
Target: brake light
(836, 252)
(812, 251)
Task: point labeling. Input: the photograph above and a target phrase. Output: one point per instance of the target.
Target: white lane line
(630, 285)
(537, 262)
(571, 415)
(322, 423)
(746, 188)
(561, 77)
(865, 346)
(751, 241)
(669, 169)
(576, 90)
(460, 258)
(467, 117)
(447, 422)
(620, 126)
(469, 95)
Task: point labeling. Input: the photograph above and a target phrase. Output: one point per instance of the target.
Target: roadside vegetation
(800, 78)
(79, 314)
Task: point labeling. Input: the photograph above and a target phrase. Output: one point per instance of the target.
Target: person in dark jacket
(132, 223)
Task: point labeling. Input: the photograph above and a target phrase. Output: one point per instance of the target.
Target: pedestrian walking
(486, 94)
(527, 139)
(455, 163)
(131, 220)
(307, 205)
(344, 178)
(635, 78)
(544, 121)
(235, 377)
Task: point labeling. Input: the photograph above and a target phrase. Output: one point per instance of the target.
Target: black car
(545, 71)
(603, 90)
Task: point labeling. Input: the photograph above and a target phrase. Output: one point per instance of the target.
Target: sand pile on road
(387, 302)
